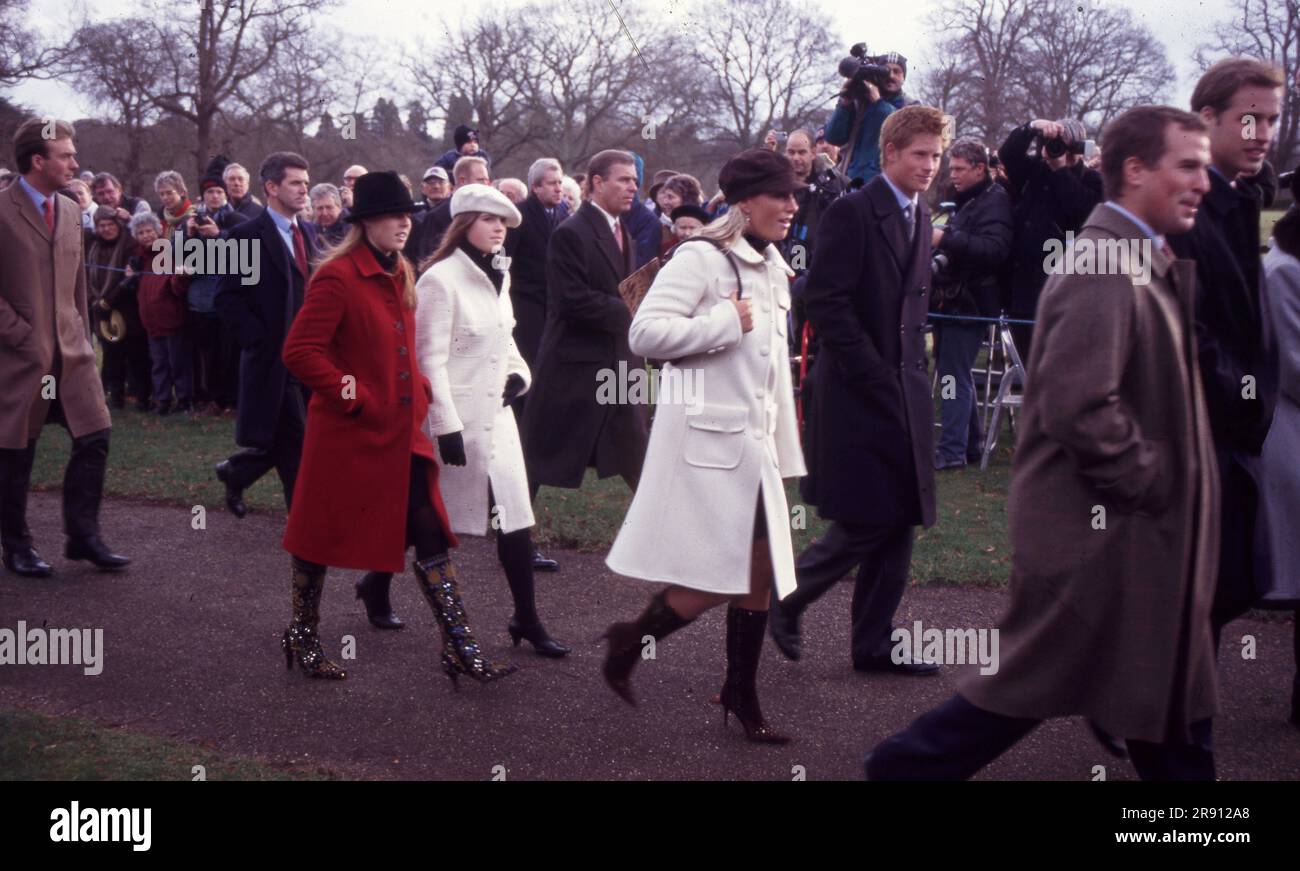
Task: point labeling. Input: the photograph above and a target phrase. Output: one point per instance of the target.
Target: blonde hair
(356, 236)
(726, 229)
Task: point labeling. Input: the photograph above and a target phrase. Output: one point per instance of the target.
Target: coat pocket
(715, 438)
(470, 341)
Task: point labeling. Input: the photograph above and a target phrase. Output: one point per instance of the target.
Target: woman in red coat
(368, 484)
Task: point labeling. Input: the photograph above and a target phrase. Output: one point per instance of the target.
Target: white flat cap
(482, 198)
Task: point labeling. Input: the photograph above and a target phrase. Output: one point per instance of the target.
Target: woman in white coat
(710, 516)
(463, 339)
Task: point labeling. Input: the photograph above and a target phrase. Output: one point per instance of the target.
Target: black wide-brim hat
(380, 193)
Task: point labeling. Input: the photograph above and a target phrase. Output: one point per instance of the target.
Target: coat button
(920, 364)
(405, 400)
(399, 327)
(764, 350)
(758, 394)
(403, 375)
(487, 426)
(766, 307)
(757, 433)
(402, 350)
(492, 358)
(903, 328)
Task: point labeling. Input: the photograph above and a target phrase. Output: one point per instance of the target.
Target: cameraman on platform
(873, 90)
(970, 251)
(1052, 192)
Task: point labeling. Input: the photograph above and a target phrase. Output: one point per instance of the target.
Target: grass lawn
(38, 747)
(169, 461)
(1266, 221)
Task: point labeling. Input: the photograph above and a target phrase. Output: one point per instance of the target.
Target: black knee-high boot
(745, 631)
(515, 550)
(372, 590)
(301, 640)
(658, 621)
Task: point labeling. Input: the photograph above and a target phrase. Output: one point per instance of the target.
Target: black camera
(1057, 148)
(861, 68)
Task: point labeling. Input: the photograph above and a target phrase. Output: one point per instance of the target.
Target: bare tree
(210, 61)
(23, 53)
(485, 63)
(980, 81)
(593, 80)
(114, 63)
(1268, 30)
(294, 89)
(1092, 62)
(768, 63)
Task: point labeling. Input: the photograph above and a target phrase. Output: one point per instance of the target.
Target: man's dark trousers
(83, 486)
(957, 739)
(882, 556)
(284, 454)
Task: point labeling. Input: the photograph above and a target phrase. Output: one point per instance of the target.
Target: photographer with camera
(216, 357)
(1052, 192)
(873, 89)
(969, 254)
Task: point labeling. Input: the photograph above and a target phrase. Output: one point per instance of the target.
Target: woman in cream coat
(710, 515)
(463, 341)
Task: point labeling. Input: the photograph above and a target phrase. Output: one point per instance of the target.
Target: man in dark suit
(272, 409)
(1238, 357)
(869, 431)
(429, 227)
(543, 211)
(566, 429)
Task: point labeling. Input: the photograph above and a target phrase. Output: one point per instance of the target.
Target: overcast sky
(884, 26)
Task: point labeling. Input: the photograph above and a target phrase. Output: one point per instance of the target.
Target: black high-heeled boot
(301, 641)
(658, 621)
(460, 651)
(745, 630)
(515, 551)
(372, 590)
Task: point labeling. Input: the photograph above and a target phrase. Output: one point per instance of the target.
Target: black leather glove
(514, 387)
(452, 448)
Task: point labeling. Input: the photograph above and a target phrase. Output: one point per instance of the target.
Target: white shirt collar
(613, 221)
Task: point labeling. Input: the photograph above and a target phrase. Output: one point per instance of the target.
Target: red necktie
(299, 250)
(618, 236)
(49, 213)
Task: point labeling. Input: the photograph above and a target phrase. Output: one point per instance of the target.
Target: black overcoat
(565, 427)
(869, 438)
(259, 316)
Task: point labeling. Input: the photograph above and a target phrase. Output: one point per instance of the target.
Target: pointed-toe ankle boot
(372, 590)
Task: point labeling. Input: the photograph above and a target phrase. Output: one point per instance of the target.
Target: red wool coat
(349, 504)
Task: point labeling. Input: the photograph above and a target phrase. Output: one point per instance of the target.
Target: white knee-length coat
(692, 519)
(464, 342)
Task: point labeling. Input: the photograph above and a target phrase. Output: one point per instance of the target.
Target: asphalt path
(191, 651)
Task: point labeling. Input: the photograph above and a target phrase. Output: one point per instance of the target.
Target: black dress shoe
(94, 550)
(907, 666)
(543, 564)
(234, 495)
(27, 563)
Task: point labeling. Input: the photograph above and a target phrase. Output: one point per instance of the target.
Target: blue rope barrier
(934, 315)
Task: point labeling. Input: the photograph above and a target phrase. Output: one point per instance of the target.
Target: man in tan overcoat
(47, 364)
(1114, 496)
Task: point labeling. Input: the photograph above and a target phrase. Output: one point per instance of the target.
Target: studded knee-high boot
(301, 640)
(460, 651)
